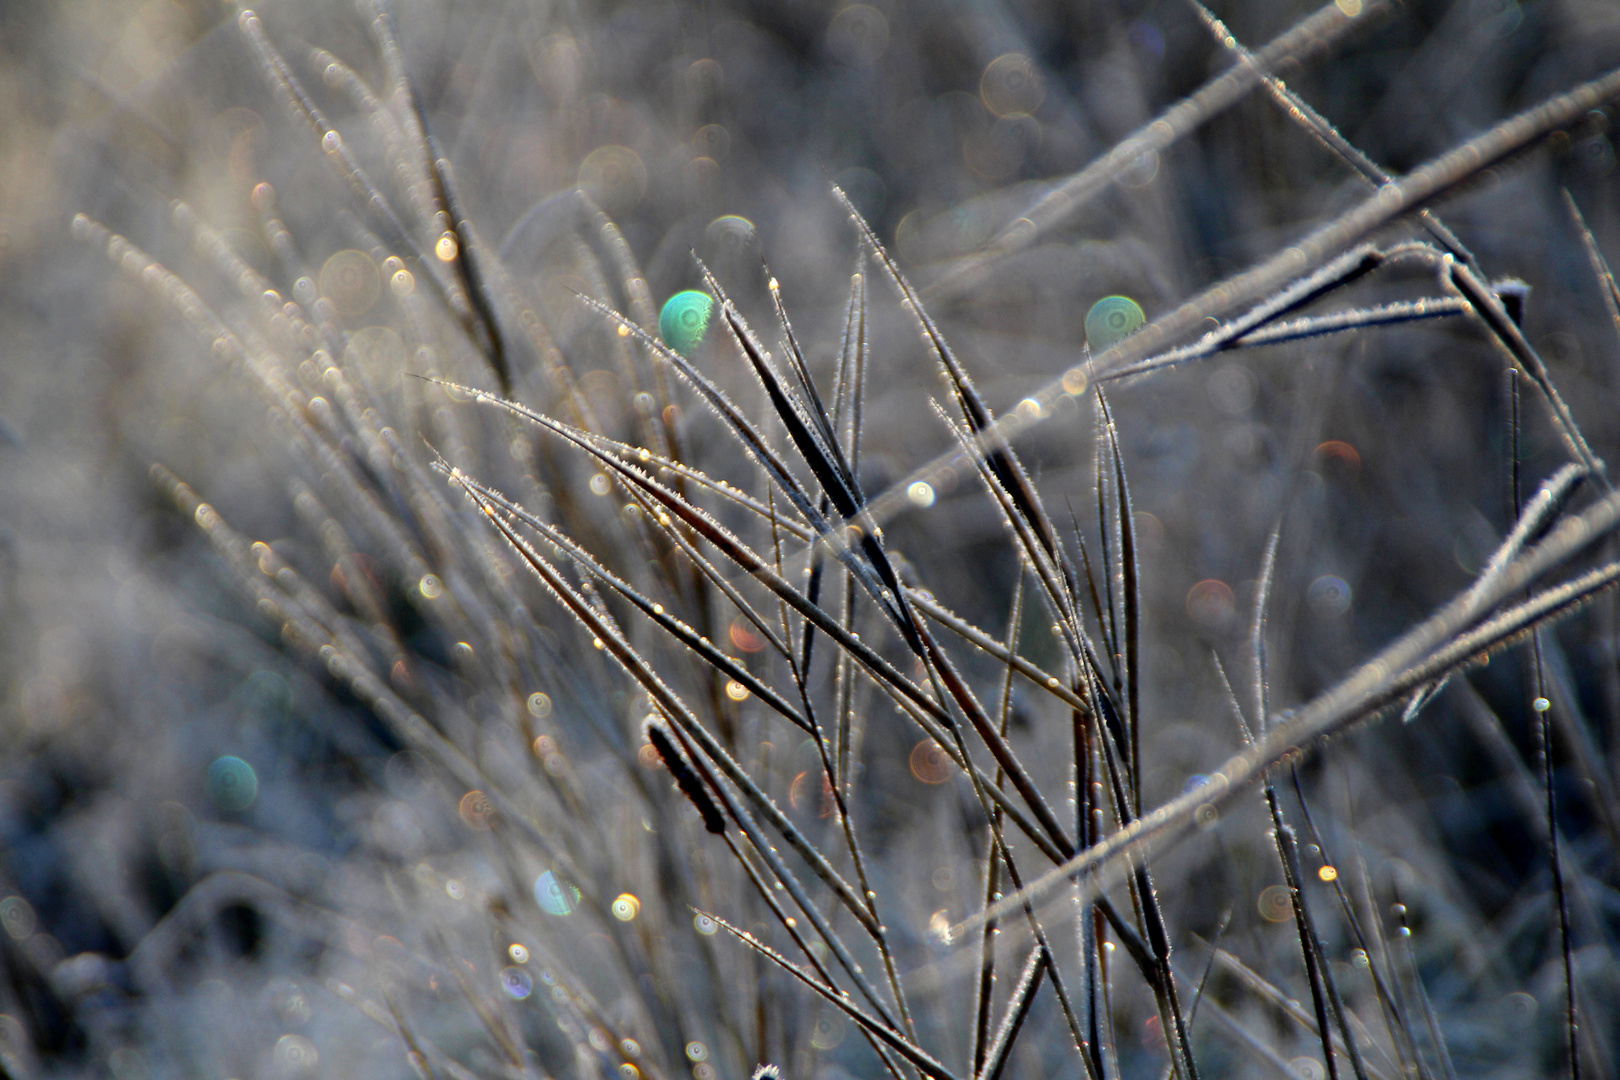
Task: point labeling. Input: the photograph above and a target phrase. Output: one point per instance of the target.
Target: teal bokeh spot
(685, 319)
(554, 895)
(1111, 320)
(266, 694)
(232, 784)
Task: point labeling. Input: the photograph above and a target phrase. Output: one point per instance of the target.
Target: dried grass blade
(1436, 179)
(593, 445)
(1131, 647)
(784, 876)
(769, 896)
(840, 1001)
(998, 454)
(1395, 200)
(685, 726)
(939, 664)
(1430, 1021)
(677, 629)
(806, 421)
(1324, 716)
(985, 985)
(1338, 322)
(1440, 642)
(715, 398)
(826, 463)
(1102, 477)
(810, 397)
(1036, 555)
(303, 110)
(1312, 34)
(1012, 1022)
(1298, 109)
(905, 693)
(1271, 994)
(732, 548)
(467, 262)
(1600, 265)
(875, 578)
(1038, 677)
(1324, 993)
(1091, 577)
(667, 701)
(1541, 706)
(848, 388)
(1257, 638)
(1487, 304)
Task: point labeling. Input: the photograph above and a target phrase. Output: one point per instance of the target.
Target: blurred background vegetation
(132, 666)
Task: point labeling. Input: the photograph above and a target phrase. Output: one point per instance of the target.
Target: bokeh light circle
(516, 983)
(930, 764)
(1275, 904)
(1111, 320)
(685, 320)
(350, 281)
(1012, 84)
(554, 895)
(1329, 595)
(232, 784)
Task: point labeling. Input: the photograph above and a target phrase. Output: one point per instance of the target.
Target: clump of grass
(721, 701)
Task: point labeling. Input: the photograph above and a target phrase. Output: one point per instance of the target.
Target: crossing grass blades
(719, 607)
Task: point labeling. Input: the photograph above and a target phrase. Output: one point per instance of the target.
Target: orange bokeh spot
(797, 793)
(744, 637)
(1346, 453)
(1210, 603)
(930, 764)
(476, 810)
